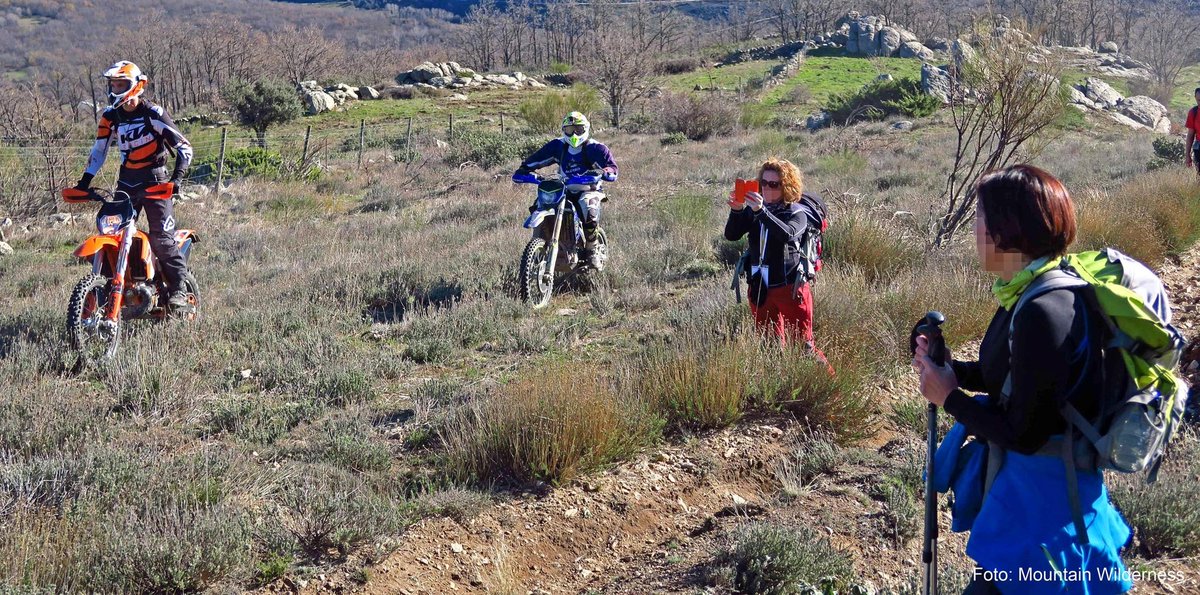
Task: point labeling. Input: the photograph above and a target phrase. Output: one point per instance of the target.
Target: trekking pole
(931, 328)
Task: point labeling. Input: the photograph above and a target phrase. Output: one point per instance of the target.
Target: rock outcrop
(451, 75)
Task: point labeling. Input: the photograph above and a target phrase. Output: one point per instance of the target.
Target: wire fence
(33, 171)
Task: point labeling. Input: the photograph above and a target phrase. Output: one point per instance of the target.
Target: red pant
(788, 314)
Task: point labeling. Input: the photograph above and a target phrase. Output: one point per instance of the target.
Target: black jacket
(1056, 355)
(784, 224)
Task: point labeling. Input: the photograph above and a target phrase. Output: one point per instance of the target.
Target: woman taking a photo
(776, 219)
(1024, 538)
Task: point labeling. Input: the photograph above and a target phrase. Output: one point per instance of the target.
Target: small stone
(423, 561)
(246, 373)
(571, 512)
(456, 548)
(5, 249)
(738, 500)
(566, 312)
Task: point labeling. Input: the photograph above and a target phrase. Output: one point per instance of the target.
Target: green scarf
(1007, 293)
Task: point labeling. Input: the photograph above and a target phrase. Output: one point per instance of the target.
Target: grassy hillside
(364, 390)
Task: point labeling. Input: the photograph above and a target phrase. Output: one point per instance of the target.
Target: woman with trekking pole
(784, 224)
(1025, 538)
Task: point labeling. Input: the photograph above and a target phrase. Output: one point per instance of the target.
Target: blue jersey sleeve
(547, 155)
(601, 158)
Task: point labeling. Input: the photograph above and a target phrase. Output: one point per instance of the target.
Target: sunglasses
(574, 129)
(772, 184)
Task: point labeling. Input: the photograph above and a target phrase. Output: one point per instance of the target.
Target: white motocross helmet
(576, 129)
(125, 71)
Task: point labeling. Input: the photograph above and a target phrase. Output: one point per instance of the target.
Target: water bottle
(1136, 434)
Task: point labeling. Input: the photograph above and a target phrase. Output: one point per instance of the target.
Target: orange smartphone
(741, 187)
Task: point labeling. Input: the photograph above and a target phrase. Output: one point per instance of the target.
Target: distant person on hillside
(1191, 148)
(782, 253)
(145, 134)
(577, 155)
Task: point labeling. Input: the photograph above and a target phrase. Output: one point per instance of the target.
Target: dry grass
(567, 421)
(296, 420)
(1150, 217)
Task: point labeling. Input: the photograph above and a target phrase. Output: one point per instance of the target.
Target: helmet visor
(119, 86)
(574, 129)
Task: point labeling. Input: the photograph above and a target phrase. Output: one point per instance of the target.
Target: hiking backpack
(1143, 400)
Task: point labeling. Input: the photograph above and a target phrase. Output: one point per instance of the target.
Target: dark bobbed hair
(1026, 209)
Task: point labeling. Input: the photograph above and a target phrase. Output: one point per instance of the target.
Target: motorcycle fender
(183, 235)
(536, 218)
(94, 244)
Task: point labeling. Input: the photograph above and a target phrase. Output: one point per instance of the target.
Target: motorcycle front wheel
(536, 283)
(92, 335)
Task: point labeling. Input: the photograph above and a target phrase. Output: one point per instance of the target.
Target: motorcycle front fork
(117, 296)
(553, 249)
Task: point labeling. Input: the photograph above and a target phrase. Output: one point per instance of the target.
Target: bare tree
(1164, 39)
(618, 66)
(1000, 100)
(304, 54)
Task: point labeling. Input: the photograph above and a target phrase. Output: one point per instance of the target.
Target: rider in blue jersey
(577, 155)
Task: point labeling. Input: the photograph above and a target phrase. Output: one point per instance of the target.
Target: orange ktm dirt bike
(125, 282)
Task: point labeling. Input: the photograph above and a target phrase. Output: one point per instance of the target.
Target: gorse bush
(882, 98)
(544, 113)
(490, 149)
(1168, 150)
(698, 117)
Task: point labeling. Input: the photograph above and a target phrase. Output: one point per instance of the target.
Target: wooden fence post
(304, 153)
(221, 162)
(408, 148)
(362, 140)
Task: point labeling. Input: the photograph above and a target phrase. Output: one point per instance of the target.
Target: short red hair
(791, 181)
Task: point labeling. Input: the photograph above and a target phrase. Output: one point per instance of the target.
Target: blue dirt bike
(541, 262)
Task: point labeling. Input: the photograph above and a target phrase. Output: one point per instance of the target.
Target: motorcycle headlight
(109, 224)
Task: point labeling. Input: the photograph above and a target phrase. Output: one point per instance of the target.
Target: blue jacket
(594, 157)
(1022, 529)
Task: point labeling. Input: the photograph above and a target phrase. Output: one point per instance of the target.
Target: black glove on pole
(931, 328)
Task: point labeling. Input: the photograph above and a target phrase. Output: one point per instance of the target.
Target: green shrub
(698, 117)
(1168, 150)
(775, 560)
(678, 65)
(675, 138)
(251, 162)
(881, 98)
(544, 113)
(490, 149)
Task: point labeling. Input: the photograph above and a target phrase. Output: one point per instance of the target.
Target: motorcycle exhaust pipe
(144, 304)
